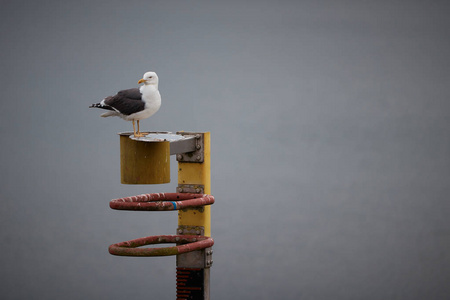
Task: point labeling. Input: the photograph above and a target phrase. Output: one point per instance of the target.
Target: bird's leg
(134, 128)
(139, 133)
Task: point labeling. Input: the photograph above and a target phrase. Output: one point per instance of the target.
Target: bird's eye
(151, 77)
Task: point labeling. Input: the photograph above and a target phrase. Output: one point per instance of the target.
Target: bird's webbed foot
(141, 134)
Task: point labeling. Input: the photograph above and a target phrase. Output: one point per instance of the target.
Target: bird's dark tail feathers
(99, 105)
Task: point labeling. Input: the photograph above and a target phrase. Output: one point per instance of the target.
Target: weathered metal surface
(191, 230)
(187, 243)
(196, 259)
(183, 145)
(197, 174)
(144, 163)
(191, 284)
(193, 249)
(196, 156)
(178, 143)
(193, 268)
(162, 201)
(158, 136)
(191, 188)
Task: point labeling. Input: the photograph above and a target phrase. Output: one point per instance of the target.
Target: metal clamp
(196, 156)
(201, 258)
(191, 188)
(190, 230)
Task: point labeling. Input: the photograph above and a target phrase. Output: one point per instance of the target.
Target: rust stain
(186, 243)
(162, 201)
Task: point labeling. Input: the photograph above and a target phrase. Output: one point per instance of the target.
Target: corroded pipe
(161, 201)
(187, 243)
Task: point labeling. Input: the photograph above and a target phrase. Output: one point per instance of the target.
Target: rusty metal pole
(146, 161)
(194, 176)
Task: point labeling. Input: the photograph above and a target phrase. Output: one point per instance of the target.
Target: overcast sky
(330, 127)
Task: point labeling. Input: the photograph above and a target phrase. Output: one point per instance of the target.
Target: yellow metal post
(197, 174)
(148, 162)
(193, 268)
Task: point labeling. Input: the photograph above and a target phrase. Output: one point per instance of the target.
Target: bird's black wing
(134, 93)
(126, 102)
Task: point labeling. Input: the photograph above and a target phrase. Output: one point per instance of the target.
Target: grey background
(330, 145)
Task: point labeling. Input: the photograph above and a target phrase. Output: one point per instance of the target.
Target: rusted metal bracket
(196, 156)
(191, 188)
(190, 230)
(196, 259)
(185, 145)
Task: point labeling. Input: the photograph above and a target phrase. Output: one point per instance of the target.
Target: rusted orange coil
(188, 243)
(161, 201)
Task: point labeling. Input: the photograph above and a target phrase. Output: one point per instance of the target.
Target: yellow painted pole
(197, 174)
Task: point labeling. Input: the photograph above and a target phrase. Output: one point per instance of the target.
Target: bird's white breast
(152, 99)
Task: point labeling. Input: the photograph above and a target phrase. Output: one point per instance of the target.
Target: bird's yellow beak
(141, 80)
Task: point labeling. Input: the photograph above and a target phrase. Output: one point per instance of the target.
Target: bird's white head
(149, 78)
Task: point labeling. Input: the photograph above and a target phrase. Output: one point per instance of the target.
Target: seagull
(134, 104)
